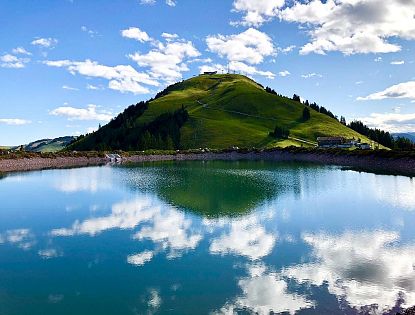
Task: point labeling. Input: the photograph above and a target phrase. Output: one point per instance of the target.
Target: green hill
(49, 145)
(214, 111)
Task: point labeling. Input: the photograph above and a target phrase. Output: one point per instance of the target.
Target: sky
(67, 66)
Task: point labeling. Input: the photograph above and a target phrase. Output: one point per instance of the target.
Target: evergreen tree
(306, 114)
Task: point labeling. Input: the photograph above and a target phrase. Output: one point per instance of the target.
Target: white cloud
(212, 68)
(377, 59)
(67, 87)
(256, 11)
(237, 67)
(167, 61)
(14, 121)
(353, 26)
(93, 87)
(247, 238)
(154, 300)
(398, 62)
(264, 293)
(22, 238)
(171, 230)
(49, 253)
(169, 36)
(363, 268)
(89, 31)
(287, 49)
(11, 61)
(124, 215)
(249, 70)
(21, 51)
(45, 42)
(136, 33)
(284, 73)
(140, 259)
(401, 90)
(251, 46)
(121, 77)
(311, 75)
(171, 3)
(348, 26)
(393, 122)
(89, 113)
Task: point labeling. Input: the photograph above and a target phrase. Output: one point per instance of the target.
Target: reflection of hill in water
(218, 188)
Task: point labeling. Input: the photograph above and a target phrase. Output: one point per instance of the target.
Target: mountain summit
(214, 111)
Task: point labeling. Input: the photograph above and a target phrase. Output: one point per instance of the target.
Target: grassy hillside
(229, 110)
(49, 145)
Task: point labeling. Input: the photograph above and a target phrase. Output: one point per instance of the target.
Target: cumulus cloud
(124, 215)
(247, 238)
(363, 268)
(136, 33)
(168, 60)
(45, 42)
(236, 67)
(401, 90)
(263, 293)
(21, 51)
(123, 78)
(251, 46)
(284, 73)
(172, 231)
(161, 224)
(393, 122)
(348, 26)
(353, 26)
(241, 67)
(169, 36)
(89, 113)
(49, 253)
(256, 11)
(140, 259)
(12, 61)
(22, 238)
(14, 121)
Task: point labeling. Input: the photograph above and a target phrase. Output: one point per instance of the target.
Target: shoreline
(367, 163)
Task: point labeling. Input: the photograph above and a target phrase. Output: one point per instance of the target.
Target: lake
(206, 238)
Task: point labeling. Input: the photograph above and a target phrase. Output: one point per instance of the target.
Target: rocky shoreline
(369, 163)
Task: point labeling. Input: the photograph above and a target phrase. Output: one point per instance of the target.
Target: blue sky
(68, 66)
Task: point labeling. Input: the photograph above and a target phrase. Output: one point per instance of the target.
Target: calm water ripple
(206, 238)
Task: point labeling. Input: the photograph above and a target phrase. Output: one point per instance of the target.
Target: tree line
(125, 132)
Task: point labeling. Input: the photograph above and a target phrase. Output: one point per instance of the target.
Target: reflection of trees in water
(222, 188)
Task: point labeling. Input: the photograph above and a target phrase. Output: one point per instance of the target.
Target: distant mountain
(408, 135)
(214, 111)
(49, 145)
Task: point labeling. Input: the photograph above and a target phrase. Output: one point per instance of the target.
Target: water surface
(206, 238)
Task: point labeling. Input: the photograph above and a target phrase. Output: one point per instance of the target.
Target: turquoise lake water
(206, 238)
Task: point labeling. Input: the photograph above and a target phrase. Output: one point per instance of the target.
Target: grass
(240, 113)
